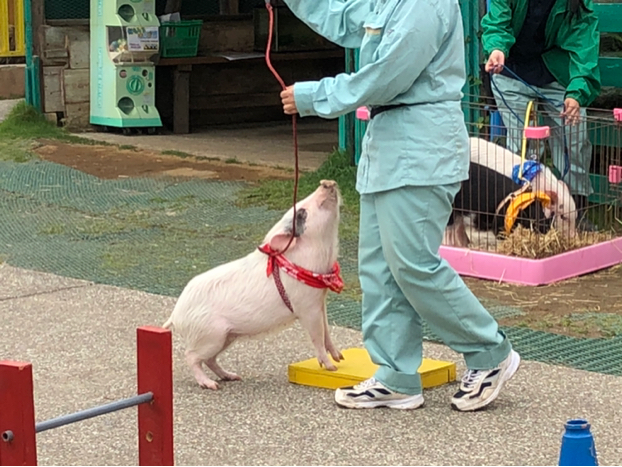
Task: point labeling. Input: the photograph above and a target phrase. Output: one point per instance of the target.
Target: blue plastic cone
(578, 446)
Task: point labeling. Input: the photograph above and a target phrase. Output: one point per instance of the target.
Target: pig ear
(279, 241)
(552, 195)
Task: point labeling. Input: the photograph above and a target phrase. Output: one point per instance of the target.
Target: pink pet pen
(571, 251)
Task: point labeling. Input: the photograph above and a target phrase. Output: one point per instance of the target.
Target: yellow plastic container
(358, 367)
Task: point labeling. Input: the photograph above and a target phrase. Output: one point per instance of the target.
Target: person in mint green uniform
(552, 46)
(415, 156)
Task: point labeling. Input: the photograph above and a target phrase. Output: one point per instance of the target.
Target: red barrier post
(155, 374)
(18, 445)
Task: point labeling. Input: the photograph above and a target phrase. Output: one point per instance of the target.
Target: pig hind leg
(206, 352)
(216, 368)
(195, 362)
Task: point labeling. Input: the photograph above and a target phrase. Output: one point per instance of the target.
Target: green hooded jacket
(572, 45)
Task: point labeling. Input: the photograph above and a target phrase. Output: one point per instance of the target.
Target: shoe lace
(471, 378)
(365, 384)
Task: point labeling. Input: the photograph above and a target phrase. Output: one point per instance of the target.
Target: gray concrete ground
(80, 338)
(266, 144)
(5, 107)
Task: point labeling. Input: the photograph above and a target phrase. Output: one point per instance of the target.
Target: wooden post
(38, 21)
(181, 99)
(18, 445)
(155, 375)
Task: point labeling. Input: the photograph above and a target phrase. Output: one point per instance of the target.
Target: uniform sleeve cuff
(304, 93)
(576, 95)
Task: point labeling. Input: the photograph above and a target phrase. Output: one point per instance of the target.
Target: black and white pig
(239, 299)
(477, 202)
(562, 210)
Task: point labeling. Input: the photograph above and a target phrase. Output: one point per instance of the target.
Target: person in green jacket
(547, 51)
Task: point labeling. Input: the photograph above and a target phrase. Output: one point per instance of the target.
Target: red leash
(276, 260)
(284, 86)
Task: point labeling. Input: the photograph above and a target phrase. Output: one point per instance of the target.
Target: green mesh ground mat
(154, 234)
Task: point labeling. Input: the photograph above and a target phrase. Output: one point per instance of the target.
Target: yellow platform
(358, 367)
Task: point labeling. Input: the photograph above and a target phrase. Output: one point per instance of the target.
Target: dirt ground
(111, 162)
(558, 307)
(562, 307)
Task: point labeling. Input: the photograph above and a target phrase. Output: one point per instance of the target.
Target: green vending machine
(125, 43)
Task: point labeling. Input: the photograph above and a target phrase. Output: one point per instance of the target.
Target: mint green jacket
(572, 47)
(412, 52)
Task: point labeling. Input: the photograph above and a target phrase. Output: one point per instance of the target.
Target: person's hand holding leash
(571, 111)
(495, 62)
(289, 103)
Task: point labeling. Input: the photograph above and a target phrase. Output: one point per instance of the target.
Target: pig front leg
(328, 343)
(314, 323)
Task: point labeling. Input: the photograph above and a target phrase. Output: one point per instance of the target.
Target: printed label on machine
(143, 39)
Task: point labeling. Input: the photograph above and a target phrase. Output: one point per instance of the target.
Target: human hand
(289, 103)
(495, 62)
(572, 111)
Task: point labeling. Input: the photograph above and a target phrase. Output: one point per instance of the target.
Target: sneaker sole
(400, 404)
(505, 377)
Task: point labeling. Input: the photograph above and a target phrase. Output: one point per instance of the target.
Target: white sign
(143, 39)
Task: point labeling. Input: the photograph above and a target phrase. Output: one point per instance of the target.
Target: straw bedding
(526, 243)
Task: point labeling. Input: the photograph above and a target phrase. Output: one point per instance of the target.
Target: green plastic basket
(180, 38)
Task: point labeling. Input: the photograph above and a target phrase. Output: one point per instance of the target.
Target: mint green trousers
(404, 280)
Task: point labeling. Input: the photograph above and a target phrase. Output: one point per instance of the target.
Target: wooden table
(183, 68)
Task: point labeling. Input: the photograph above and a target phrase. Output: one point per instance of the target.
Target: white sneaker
(480, 387)
(370, 394)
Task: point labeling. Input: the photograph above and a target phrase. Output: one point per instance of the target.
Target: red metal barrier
(17, 415)
(155, 374)
(155, 418)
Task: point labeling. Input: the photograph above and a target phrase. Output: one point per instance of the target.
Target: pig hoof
(328, 365)
(207, 383)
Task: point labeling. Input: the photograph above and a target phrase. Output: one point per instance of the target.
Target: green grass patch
(25, 123)
(16, 150)
(278, 194)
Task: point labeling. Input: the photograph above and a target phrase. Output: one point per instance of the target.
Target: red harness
(277, 261)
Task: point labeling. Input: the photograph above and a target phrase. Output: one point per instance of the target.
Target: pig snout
(328, 191)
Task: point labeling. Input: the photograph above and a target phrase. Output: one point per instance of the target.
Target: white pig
(502, 160)
(238, 299)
